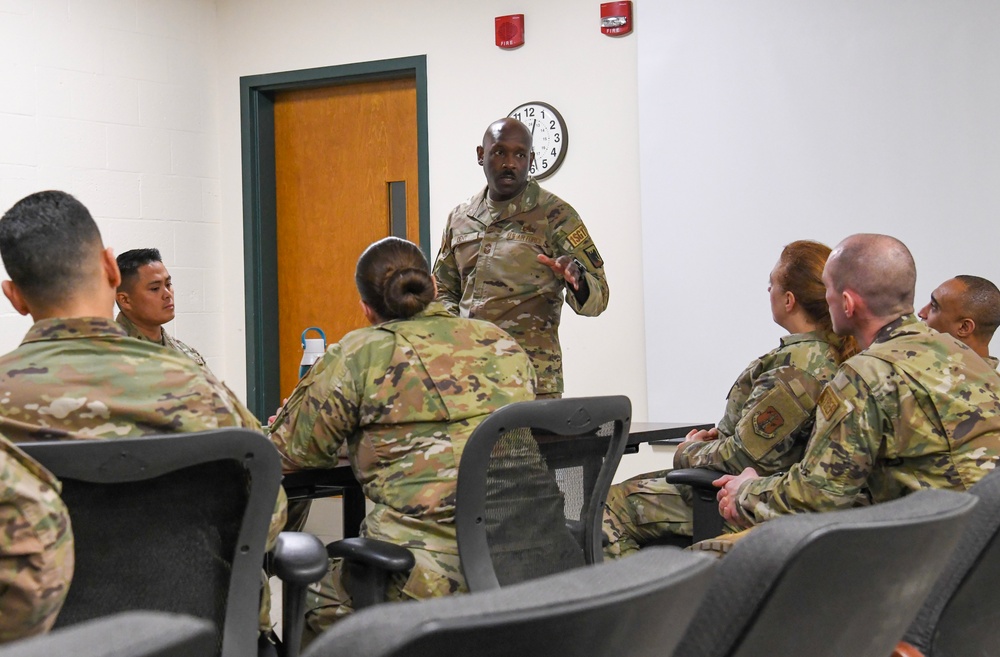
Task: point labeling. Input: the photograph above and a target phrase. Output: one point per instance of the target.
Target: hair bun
(408, 291)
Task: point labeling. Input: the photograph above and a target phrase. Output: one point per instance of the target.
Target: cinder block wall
(114, 101)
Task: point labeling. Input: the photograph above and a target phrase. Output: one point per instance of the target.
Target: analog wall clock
(549, 137)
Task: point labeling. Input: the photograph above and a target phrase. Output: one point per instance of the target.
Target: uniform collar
(133, 331)
(434, 309)
(908, 324)
(523, 202)
(69, 328)
(811, 336)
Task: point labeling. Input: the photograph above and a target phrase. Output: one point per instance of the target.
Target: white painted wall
(767, 121)
(114, 102)
(566, 61)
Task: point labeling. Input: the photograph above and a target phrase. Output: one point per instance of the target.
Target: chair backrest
(958, 617)
(174, 523)
(532, 482)
(129, 634)
(828, 584)
(637, 606)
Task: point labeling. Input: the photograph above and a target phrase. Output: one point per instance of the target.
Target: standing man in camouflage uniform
(404, 395)
(145, 298)
(916, 409)
(967, 308)
(36, 546)
(510, 251)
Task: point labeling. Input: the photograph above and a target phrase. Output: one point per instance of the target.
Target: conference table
(328, 482)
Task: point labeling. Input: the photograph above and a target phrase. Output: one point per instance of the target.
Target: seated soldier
(915, 409)
(77, 374)
(769, 410)
(404, 395)
(36, 546)
(967, 308)
(145, 298)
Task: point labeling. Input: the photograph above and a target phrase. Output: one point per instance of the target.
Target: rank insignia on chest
(577, 237)
(828, 402)
(767, 421)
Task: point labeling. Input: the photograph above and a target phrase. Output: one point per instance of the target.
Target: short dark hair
(47, 240)
(394, 279)
(130, 261)
(982, 302)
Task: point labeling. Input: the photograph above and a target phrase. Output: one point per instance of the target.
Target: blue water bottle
(312, 349)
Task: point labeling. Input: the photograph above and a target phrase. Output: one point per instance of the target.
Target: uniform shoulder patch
(594, 257)
(829, 402)
(577, 237)
(767, 422)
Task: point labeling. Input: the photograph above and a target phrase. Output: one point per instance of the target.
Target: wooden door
(337, 149)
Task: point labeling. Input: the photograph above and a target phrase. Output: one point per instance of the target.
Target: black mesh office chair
(532, 485)
(828, 584)
(637, 607)
(176, 523)
(129, 634)
(959, 617)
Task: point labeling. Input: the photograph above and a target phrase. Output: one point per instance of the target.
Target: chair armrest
(299, 558)
(368, 563)
(695, 477)
(707, 521)
(904, 649)
(387, 557)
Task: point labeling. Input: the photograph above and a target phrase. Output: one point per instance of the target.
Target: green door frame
(260, 256)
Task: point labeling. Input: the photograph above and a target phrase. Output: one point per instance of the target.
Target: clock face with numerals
(549, 137)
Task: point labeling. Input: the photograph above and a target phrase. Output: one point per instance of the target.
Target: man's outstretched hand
(565, 267)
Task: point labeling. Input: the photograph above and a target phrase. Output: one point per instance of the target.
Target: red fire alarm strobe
(616, 18)
(510, 31)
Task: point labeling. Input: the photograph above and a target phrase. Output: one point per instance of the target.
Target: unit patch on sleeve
(767, 421)
(577, 237)
(594, 257)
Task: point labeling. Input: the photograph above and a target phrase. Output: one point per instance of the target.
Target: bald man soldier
(915, 409)
(510, 251)
(968, 308)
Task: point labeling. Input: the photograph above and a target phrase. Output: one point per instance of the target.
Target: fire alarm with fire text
(510, 31)
(616, 18)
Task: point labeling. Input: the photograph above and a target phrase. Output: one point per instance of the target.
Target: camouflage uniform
(165, 339)
(85, 378)
(36, 546)
(769, 414)
(405, 396)
(993, 361)
(917, 409)
(487, 269)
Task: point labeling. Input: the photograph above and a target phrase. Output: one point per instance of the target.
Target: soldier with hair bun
(404, 394)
